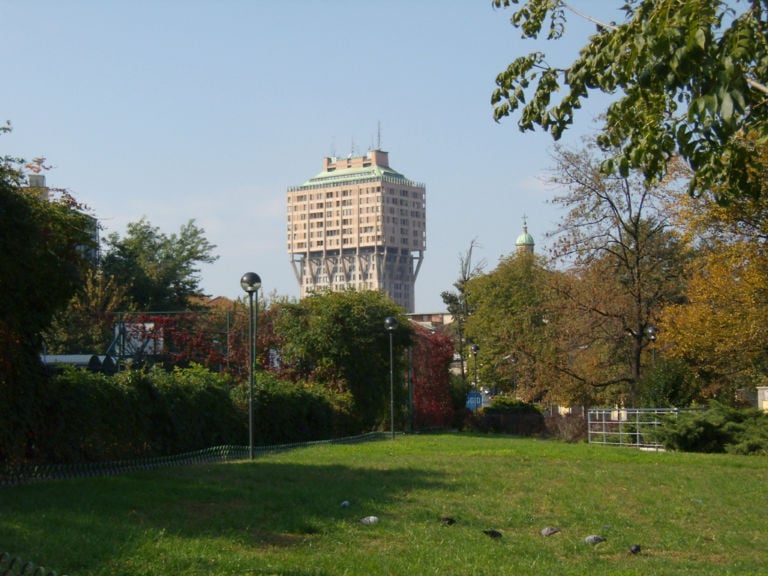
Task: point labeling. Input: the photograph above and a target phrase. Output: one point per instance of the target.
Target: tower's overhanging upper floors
(360, 225)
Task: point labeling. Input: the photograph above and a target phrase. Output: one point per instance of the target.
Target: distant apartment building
(359, 225)
(37, 183)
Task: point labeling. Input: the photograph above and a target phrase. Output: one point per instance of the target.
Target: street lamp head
(250, 282)
(390, 323)
(475, 348)
(651, 331)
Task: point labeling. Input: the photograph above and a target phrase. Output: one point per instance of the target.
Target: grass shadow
(225, 509)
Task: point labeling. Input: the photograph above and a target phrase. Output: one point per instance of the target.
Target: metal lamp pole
(251, 282)
(651, 331)
(390, 324)
(475, 349)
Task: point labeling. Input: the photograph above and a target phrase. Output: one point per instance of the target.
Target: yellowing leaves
(724, 324)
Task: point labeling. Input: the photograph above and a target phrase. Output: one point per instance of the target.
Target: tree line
(654, 293)
(648, 298)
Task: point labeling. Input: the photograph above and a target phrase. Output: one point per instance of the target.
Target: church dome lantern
(525, 241)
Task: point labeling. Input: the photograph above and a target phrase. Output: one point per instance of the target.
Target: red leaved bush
(432, 354)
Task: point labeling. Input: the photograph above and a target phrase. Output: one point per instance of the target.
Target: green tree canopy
(338, 339)
(162, 271)
(690, 76)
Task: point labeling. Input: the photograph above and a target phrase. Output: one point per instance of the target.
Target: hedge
(84, 416)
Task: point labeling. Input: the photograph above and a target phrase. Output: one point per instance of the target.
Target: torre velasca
(359, 225)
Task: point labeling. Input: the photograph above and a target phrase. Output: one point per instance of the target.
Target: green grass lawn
(281, 513)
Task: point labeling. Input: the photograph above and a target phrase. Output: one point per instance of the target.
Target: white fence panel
(627, 426)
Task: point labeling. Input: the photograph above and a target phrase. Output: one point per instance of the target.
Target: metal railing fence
(635, 427)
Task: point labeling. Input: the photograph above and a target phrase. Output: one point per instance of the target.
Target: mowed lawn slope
(282, 513)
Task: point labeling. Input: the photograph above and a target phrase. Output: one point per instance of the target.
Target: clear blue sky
(210, 109)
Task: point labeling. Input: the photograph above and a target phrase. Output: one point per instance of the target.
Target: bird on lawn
(634, 549)
(447, 521)
(594, 539)
(549, 530)
(492, 533)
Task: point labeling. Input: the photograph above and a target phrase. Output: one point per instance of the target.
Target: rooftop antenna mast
(378, 135)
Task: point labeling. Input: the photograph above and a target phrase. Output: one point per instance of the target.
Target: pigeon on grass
(549, 531)
(594, 539)
(492, 533)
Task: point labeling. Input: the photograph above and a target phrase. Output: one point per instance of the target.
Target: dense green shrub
(87, 417)
(196, 409)
(720, 428)
(91, 417)
(507, 415)
(287, 412)
(670, 383)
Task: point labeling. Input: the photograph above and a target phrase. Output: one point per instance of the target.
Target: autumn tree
(87, 324)
(720, 329)
(627, 258)
(689, 78)
(509, 325)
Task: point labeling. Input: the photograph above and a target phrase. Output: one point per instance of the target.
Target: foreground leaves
(690, 79)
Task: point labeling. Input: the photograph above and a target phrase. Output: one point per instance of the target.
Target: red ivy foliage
(171, 338)
(216, 338)
(432, 355)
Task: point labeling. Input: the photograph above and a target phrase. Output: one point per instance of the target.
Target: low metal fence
(15, 566)
(635, 427)
(26, 474)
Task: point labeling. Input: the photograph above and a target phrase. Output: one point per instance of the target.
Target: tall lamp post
(475, 348)
(251, 282)
(651, 331)
(390, 324)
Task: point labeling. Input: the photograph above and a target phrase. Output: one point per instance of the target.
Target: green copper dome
(525, 240)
